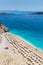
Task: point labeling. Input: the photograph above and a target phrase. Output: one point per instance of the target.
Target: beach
(16, 51)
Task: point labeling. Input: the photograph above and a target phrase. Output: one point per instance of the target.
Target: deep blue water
(26, 25)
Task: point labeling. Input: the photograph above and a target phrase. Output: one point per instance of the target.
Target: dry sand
(18, 52)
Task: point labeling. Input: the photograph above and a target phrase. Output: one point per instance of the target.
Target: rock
(3, 29)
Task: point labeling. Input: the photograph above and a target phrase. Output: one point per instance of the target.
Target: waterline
(28, 42)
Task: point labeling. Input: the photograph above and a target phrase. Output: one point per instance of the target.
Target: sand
(16, 51)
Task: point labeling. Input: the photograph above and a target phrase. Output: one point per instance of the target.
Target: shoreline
(28, 42)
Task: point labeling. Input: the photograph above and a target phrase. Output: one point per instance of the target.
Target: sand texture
(15, 51)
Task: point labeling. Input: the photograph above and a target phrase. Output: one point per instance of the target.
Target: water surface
(26, 25)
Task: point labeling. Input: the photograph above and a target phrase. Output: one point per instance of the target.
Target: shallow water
(26, 25)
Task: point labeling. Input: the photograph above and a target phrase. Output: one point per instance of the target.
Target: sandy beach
(16, 51)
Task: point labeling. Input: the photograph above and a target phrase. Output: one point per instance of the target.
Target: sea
(25, 24)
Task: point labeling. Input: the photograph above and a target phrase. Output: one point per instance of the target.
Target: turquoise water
(26, 25)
